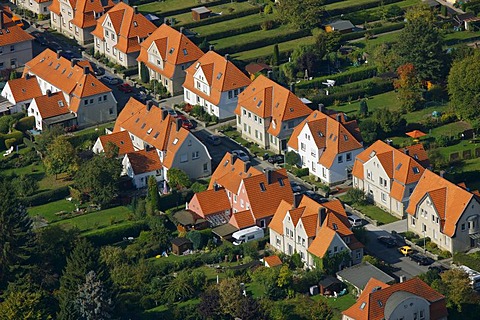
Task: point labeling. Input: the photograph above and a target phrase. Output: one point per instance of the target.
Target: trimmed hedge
(14, 138)
(115, 233)
(130, 72)
(359, 7)
(25, 124)
(264, 42)
(215, 19)
(78, 140)
(232, 32)
(174, 199)
(351, 75)
(46, 197)
(373, 31)
(182, 10)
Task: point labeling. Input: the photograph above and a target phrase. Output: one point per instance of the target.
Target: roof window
(138, 119)
(60, 103)
(197, 65)
(58, 66)
(219, 76)
(143, 125)
(416, 170)
(262, 186)
(175, 141)
(156, 135)
(185, 53)
(345, 137)
(398, 166)
(291, 109)
(280, 182)
(149, 131)
(320, 133)
(259, 103)
(135, 24)
(373, 153)
(171, 50)
(362, 306)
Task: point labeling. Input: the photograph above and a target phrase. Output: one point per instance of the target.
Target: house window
(205, 167)
(86, 101)
(195, 155)
(110, 111)
(413, 221)
(12, 48)
(249, 114)
(260, 120)
(183, 157)
(278, 241)
(263, 224)
(384, 197)
(105, 98)
(349, 156)
(303, 242)
(340, 159)
(241, 203)
(463, 226)
(235, 198)
(230, 96)
(302, 146)
(244, 112)
(369, 174)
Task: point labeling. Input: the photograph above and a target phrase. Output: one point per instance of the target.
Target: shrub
(10, 143)
(46, 196)
(25, 124)
(267, 25)
(357, 196)
(301, 172)
(292, 158)
(115, 233)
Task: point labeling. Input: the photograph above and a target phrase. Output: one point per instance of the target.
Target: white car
(241, 155)
(355, 221)
(110, 80)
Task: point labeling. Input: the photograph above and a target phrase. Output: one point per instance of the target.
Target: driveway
(398, 226)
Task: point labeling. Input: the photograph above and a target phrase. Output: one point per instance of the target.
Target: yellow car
(405, 250)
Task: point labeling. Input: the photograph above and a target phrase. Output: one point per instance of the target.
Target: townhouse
(388, 176)
(412, 299)
(267, 113)
(214, 83)
(119, 33)
(120, 139)
(327, 146)
(447, 213)
(77, 18)
(89, 100)
(20, 93)
(152, 128)
(167, 53)
(15, 44)
(140, 165)
(246, 189)
(35, 6)
(51, 109)
(314, 231)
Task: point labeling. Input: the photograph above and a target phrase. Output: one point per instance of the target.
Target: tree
(285, 277)
(60, 156)
(16, 237)
(408, 87)
(230, 294)
(421, 44)
(98, 179)
(292, 158)
(111, 150)
(178, 178)
(464, 87)
(385, 57)
(389, 121)
(13, 75)
(456, 287)
(47, 137)
(250, 309)
(144, 74)
(209, 306)
(276, 55)
(93, 301)
(305, 57)
(179, 288)
(356, 196)
(25, 185)
(23, 305)
(369, 129)
(196, 237)
(437, 159)
(83, 259)
(152, 196)
(302, 14)
(327, 42)
(203, 45)
(363, 111)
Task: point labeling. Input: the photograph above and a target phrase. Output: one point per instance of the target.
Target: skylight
(259, 103)
(143, 125)
(135, 24)
(345, 137)
(185, 52)
(197, 65)
(156, 135)
(373, 153)
(171, 50)
(330, 136)
(175, 141)
(138, 119)
(398, 166)
(362, 306)
(262, 186)
(291, 109)
(416, 170)
(280, 182)
(149, 131)
(60, 103)
(219, 76)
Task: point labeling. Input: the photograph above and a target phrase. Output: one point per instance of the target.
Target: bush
(25, 124)
(267, 25)
(301, 172)
(292, 158)
(351, 75)
(115, 233)
(10, 143)
(357, 196)
(46, 197)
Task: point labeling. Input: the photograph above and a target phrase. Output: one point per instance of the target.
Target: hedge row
(130, 72)
(177, 11)
(218, 18)
(378, 87)
(351, 75)
(46, 197)
(264, 42)
(359, 7)
(78, 140)
(25, 124)
(470, 260)
(374, 31)
(232, 32)
(12, 139)
(116, 233)
(174, 199)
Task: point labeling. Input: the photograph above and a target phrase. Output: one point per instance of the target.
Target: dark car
(388, 241)
(54, 46)
(315, 196)
(421, 259)
(68, 54)
(438, 268)
(125, 87)
(276, 158)
(41, 40)
(187, 124)
(98, 71)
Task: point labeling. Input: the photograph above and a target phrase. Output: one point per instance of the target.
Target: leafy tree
(421, 44)
(464, 87)
(285, 277)
(98, 179)
(296, 261)
(152, 196)
(437, 159)
(393, 12)
(430, 276)
(369, 129)
(276, 55)
(24, 185)
(455, 285)
(357, 196)
(320, 310)
(93, 301)
(23, 305)
(144, 74)
(111, 150)
(363, 111)
(292, 158)
(408, 87)
(204, 45)
(16, 237)
(301, 13)
(179, 288)
(385, 57)
(372, 260)
(60, 156)
(250, 309)
(331, 263)
(389, 121)
(178, 178)
(198, 187)
(47, 137)
(196, 238)
(306, 57)
(230, 294)
(13, 75)
(327, 42)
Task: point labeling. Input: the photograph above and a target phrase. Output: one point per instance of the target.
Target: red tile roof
(272, 261)
(12, 35)
(230, 172)
(210, 202)
(328, 134)
(417, 152)
(51, 106)
(24, 89)
(173, 47)
(144, 161)
(267, 99)
(449, 200)
(220, 74)
(85, 10)
(121, 139)
(242, 219)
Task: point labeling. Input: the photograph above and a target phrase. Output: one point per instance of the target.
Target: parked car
(54, 46)
(98, 71)
(276, 158)
(173, 113)
(186, 123)
(214, 140)
(355, 221)
(405, 250)
(437, 267)
(241, 155)
(421, 259)
(68, 54)
(110, 80)
(388, 241)
(41, 40)
(315, 196)
(141, 96)
(125, 87)
(295, 187)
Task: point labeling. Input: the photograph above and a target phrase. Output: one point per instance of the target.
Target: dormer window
(171, 50)
(185, 52)
(416, 170)
(135, 24)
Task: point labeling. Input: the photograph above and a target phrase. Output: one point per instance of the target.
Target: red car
(187, 124)
(125, 87)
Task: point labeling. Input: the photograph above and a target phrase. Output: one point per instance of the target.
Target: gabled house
(35, 6)
(445, 212)
(267, 113)
(314, 230)
(15, 43)
(212, 204)
(214, 83)
(49, 110)
(77, 18)
(167, 53)
(121, 139)
(327, 146)
(86, 97)
(150, 127)
(412, 299)
(417, 152)
(20, 93)
(120, 32)
(140, 165)
(387, 175)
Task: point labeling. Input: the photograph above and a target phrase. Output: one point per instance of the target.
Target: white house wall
(33, 111)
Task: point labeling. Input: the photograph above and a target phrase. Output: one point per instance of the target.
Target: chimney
(1, 19)
(73, 63)
(339, 117)
(442, 173)
(135, 9)
(268, 174)
(215, 187)
(164, 114)
(179, 124)
(321, 107)
(27, 76)
(406, 151)
(292, 87)
(210, 47)
(59, 54)
(296, 199)
(226, 56)
(322, 215)
(181, 30)
(246, 166)
(269, 74)
(49, 93)
(233, 157)
(149, 105)
(86, 70)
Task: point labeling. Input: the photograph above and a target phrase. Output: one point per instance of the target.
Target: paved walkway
(398, 226)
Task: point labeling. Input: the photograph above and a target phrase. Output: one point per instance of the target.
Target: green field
(167, 5)
(49, 210)
(96, 219)
(268, 50)
(223, 9)
(205, 31)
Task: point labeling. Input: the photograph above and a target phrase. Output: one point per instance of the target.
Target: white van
(246, 235)
(473, 275)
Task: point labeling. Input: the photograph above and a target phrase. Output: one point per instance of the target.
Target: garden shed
(180, 245)
(342, 26)
(200, 13)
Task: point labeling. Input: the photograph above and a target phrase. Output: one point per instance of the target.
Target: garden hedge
(46, 197)
(14, 138)
(351, 75)
(116, 233)
(78, 140)
(220, 18)
(177, 11)
(231, 32)
(25, 124)
(358, 7)
(373, 31)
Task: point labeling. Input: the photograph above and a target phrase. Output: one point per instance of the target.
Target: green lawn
(340, 304)
(205, 31)
(268, 50)
(49, 210)
(371, 211)
(345, 4)
(167, 5)
(96, 219)
(100, 128)
(225, 9)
